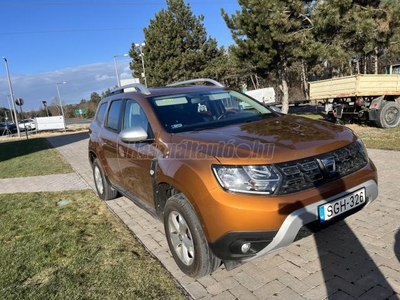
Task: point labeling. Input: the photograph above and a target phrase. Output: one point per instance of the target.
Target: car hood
(271, 140)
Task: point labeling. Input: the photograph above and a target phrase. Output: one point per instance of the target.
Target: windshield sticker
(171, 101)
(175, 126)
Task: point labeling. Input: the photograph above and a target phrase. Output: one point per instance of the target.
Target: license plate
(342, 205)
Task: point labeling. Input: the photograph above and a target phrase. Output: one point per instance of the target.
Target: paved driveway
(354, 259)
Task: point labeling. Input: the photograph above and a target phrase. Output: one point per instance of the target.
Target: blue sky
(47, 42)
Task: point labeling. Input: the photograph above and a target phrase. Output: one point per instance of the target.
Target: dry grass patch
(378, 138)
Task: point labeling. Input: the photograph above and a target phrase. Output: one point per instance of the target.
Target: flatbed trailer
(365, 97)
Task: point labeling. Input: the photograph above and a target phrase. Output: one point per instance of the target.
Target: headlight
(248, 179)
(363, 150)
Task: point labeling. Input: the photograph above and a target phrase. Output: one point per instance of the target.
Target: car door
(135, 159)
(109, 142)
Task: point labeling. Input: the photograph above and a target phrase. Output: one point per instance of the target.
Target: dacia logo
(328, 165)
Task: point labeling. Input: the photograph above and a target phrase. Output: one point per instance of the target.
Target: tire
(340, 122)
(103, 187)
(186, 239)
(388, 115)
(330, 117)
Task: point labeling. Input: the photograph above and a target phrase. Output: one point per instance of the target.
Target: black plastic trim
(153, 170)
(228, 246)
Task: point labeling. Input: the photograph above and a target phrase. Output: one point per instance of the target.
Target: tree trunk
(257, 82)
(376, 60)
(304, 80)
(285, 96)
(326, 70)
(365, 63)
(252, 81)
(350, 67)
(284, 88)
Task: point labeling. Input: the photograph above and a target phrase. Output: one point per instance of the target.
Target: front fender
(376, 104)
(192, 177)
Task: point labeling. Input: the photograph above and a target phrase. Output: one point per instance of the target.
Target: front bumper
(228, 247)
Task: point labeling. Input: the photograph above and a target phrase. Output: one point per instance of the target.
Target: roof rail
(138, 86)
(205, 80)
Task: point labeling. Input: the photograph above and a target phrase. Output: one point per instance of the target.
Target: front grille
(314, 171)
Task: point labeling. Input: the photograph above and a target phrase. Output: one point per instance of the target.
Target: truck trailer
(362, 97)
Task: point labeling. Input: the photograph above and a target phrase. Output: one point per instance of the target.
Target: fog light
(245, 247)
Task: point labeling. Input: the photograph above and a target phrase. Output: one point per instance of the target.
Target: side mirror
(275, 108)
(133, 134)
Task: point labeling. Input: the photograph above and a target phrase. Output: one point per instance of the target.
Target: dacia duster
(231, 178)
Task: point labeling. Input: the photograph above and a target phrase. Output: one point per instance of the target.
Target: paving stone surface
(355, 259)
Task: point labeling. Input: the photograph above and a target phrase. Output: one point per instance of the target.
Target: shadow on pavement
(347, 267)
(65, 139)
(18, 148)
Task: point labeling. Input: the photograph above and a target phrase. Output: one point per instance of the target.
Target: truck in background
(362, 97)
(267, 96)
(264, 95)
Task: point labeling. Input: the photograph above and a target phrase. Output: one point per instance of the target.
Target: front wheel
(186, 239)
(388, 115)
(103, 187)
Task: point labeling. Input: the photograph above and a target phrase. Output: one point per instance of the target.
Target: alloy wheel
(98, 179)
(181, 238)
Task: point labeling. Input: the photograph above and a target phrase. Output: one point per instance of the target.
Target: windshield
(206, 110)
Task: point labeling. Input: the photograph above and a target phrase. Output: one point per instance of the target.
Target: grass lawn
(373, 137)
(77, 251)
(22, 158)
(378, 138)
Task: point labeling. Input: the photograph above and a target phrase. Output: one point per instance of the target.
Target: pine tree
(354, 34)
(176, 47)
(272, 35)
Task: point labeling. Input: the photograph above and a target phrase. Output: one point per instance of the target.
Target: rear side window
(114, 113)
(101, 112)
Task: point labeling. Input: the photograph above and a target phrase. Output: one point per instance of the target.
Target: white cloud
(81, 81)
(126, 75)
(102, 77)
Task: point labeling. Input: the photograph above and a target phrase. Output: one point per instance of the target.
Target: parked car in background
(7, 128)
(230, 178)
(29, 124)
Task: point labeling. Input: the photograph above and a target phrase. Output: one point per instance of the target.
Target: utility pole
(12, 96)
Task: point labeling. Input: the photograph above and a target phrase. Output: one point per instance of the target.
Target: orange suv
(230, 178)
